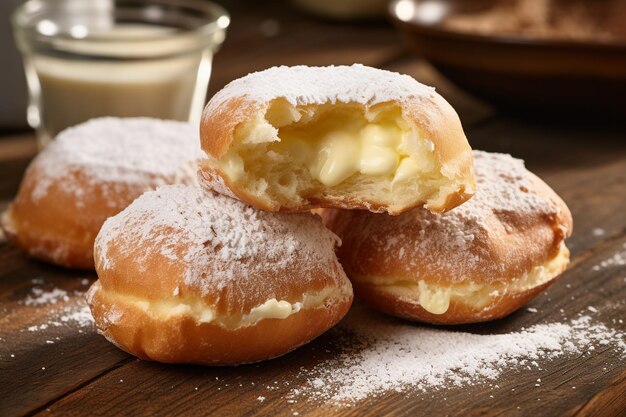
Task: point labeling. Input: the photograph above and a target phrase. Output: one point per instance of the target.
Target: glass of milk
(125, 58)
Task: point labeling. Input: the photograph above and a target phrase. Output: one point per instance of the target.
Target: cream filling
(196, 309)
(334, 142)
(337, 154)
(436, 298)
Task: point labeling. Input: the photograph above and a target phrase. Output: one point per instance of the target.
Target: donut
(190, 276)
(89, 173)
(353, 137)
(480, 261)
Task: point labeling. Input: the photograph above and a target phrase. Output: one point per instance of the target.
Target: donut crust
(59, 229)
(506, 256)
(458, 312)
(59, 224)
(426, 111)
(170, 306)
(149, 338)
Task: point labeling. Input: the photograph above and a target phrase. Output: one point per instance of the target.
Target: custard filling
(294, 151)
(199, 311)
(436, 298)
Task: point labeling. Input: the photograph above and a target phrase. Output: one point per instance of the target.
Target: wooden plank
(18, 146)
(595, 196)
(16, 152)
(39, 364)
(183, 390)
(610, 402)
(471, 110)
(550, 146)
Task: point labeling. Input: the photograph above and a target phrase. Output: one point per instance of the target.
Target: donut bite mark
(296, 138)
(91, 172)
(190, 276)
(478, 262)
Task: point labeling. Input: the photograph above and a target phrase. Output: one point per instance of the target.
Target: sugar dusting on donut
(503, 186)
(504, 191)
(244, 240)
(119, 151)
(304, 85)
(500, 181)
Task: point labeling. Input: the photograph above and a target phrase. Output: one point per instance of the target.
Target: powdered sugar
(618, 259)
(219, 240)
(78, 313)
(303, 85)
(383, 354)
(64, 308)
(119, 151)
(75, 314)
(503, 186)
(40, 296)
(506, 204)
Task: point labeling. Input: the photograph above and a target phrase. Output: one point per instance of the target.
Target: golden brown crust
(61, 226)
(497, 253)
(514, 224)
(458, 312)
(91, 172)
(182, 340)
(508, 244)
(179, 253)
(62, 251)
(430, 113)
(443, 127)
(120, 272)
(217, 128)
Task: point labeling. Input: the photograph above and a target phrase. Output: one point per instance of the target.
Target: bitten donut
(480, 261)
(296, 138)
(90, 172)
(190, 276)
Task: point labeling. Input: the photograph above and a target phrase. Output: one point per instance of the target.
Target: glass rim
(28, 14)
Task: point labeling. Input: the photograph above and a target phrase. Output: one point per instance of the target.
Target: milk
(75, 88)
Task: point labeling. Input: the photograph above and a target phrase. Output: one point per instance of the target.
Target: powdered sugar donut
(190, 276)
(480, 261)
(296, 138)
(90, 172)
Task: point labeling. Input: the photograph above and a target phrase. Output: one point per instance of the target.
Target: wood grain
(610, 401)
(16, 151)
(234, 391)
(39, 365)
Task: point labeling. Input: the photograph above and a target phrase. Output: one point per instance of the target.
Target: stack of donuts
(245, 241)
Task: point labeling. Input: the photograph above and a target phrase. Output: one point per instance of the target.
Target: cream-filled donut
(354, 137)
(190, 276)
(477, 262)
(90, 172)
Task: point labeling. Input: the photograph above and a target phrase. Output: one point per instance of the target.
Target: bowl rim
(503, 40)
(29, 13)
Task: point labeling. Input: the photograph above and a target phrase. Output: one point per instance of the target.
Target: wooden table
(69, 370)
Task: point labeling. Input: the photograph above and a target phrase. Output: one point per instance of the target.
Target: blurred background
(518, 72)
(553, 54)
